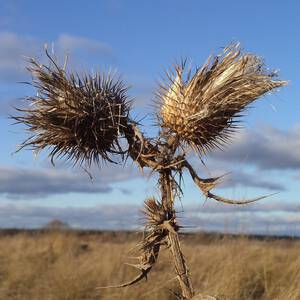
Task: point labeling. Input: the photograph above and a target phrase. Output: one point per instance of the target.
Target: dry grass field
(70, 265)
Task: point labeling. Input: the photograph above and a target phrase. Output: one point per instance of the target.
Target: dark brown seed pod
(81, 118)
(202, 109)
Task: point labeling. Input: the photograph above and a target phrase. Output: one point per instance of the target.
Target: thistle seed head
(81, 118)
(202, 109)
(154, 212)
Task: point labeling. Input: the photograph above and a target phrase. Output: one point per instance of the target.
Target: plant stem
(173, 238)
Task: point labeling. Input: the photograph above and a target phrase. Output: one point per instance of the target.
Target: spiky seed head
(154, 212)
(79, 118)
(202, 109)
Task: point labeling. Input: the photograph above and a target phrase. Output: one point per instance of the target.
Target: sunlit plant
(86, 119)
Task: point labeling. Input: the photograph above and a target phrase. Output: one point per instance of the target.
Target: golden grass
(68, 265)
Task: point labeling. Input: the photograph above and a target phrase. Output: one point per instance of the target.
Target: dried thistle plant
(83, 119)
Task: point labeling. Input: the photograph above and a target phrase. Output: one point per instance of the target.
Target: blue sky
(140, 39)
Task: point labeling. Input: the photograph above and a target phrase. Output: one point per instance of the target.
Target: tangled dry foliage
(84, 119)
(68, 266)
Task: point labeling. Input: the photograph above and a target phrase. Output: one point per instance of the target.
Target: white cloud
(104, 216)
(246, 179)
(266, 147)
(266, 206)
(19, 183)
(276, 218)
(15, 47)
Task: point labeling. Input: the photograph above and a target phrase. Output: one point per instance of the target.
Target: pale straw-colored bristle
(202, 109)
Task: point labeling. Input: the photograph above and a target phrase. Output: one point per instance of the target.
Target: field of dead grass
(70, 265)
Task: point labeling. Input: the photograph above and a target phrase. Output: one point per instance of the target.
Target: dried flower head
(80, 118)
(202, 109)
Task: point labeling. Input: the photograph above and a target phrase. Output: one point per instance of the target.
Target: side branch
(141, 150)
(207, 184)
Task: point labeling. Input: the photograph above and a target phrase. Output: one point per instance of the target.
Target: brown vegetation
(84, 119)
(70, 265)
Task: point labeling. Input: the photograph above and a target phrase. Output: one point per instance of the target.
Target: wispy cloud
(98, 217)
(28, 183)
(245, 179)
(266, 148)
(279, 218)
(266, 206)
(276, 218)
(15, 47)
(20, 183)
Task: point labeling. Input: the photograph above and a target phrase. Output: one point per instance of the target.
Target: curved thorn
(139, 277)
(236, 202)
(207, 184)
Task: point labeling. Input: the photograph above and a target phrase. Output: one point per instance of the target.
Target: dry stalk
(181, 269)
